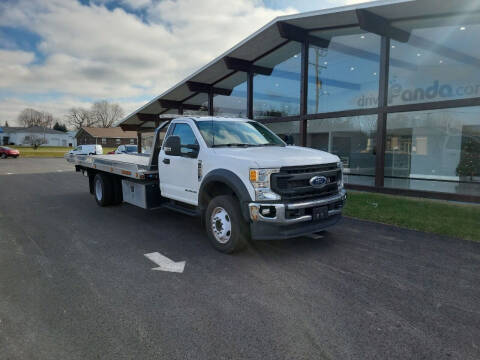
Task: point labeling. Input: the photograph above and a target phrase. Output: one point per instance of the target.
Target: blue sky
(58, 54)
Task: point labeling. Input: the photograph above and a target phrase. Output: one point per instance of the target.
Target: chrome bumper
(280, 209)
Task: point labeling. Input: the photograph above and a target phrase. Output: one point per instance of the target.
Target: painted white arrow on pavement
(165, 264)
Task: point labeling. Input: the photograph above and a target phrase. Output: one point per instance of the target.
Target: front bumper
(281, 222)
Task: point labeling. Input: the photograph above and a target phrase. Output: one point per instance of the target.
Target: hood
(276, 156)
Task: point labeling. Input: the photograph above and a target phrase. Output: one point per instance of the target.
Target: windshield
(237, 133)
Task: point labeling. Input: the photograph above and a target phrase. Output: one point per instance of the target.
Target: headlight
(340, 179)
(260, 179)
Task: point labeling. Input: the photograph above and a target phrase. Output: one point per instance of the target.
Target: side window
(79, 148)
(187, 137)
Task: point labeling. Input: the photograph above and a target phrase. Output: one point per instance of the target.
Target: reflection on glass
(234, 105)
(344, 75)
(435, 150)
(441, 61)
(352, 139)
(288, 131)
(199, 99)
(278, 94)
(147, 142)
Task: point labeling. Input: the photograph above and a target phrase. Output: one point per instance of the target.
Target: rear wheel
(226, 228)
(117, 190)
(103, 189)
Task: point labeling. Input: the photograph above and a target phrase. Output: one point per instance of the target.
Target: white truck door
(179, 174)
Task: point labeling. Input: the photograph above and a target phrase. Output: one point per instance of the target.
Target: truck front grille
(293, 182)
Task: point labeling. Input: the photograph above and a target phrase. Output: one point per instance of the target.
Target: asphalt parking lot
(75, 284)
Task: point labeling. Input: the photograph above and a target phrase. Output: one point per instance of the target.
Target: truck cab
(240, 178)
(229, 168)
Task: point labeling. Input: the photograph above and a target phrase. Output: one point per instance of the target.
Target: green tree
(59, 127)
(469, 164)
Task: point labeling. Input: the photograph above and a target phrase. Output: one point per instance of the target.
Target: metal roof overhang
(268, 38)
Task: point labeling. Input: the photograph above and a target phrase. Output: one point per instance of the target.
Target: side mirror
(172, 146)
(288, 139)
(195, 150)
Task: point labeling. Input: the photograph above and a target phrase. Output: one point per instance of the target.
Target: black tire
(104, 196)
(117, 190)
(231, 214)
(4, 156)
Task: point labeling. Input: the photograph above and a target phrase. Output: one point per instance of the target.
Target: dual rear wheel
(107, 190)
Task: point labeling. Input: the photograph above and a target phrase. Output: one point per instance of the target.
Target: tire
(117, 191)
(4, 156)
(227, 231)
(103, 189)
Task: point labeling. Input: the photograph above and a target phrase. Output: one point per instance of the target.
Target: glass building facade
(398, 103)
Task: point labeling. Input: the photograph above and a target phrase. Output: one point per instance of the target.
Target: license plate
(319, 213)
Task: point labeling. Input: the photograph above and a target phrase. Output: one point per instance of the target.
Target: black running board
(181, 209)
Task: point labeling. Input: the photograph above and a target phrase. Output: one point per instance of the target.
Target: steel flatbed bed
(131, 166)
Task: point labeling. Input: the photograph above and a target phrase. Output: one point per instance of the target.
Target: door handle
(166, 161)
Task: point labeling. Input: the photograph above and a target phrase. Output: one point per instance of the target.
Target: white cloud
(93, 52)
(96, 53)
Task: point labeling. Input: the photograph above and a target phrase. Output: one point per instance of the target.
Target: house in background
(40, 135)
(109, 137)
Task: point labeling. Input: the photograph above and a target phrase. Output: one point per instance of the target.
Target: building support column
(303, 93)
(180, 109)
(210, 102)
(250, 95)
(382, 115)
(139, 142)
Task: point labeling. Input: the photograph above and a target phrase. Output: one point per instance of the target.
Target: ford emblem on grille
(318, 181)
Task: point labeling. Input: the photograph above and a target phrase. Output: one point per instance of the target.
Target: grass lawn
(439, 217)
(47, 151)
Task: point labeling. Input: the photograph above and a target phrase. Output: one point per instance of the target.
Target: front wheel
(227, 230)
(4, 156)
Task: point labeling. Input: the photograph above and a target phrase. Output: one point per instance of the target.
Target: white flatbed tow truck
(241, 179)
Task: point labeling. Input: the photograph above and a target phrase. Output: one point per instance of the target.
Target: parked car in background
(125, 149)
(8, 152)
(87, 150)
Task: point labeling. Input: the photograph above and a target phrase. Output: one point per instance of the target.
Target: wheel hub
(221, 225)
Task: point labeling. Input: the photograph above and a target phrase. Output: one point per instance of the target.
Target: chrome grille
(292, 183)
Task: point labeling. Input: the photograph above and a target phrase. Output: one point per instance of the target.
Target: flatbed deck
(132, 166)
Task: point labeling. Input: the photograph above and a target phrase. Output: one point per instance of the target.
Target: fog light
(268, 211)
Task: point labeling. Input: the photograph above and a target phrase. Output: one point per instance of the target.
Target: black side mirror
(172, 146)
(288, 139)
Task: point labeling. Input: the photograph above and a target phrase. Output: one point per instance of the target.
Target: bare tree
(78, 117)
(30, 117)
(106, 114)
(35, 141)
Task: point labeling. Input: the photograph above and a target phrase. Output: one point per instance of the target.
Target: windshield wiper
(233, 145)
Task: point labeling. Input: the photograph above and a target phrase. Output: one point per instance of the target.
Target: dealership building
(391, 87)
